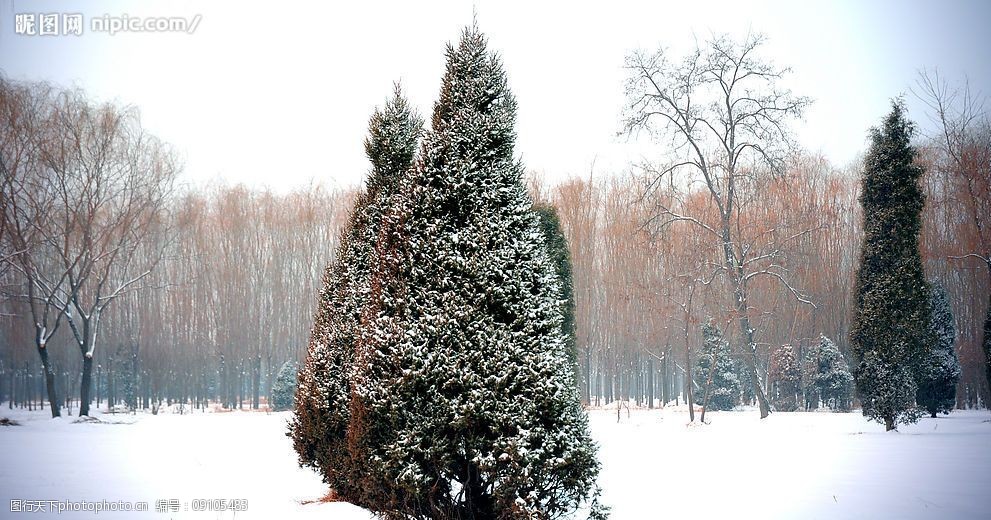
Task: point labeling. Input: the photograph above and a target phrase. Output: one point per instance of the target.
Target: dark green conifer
(465, 404)
(939, 371)
(716, 372)
(323, 395)
(891, 308)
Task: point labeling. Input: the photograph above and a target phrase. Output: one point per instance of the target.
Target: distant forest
(177, 295)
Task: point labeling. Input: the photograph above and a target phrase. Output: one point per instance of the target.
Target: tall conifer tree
(464, 404)
(891, 308)
(828, 376)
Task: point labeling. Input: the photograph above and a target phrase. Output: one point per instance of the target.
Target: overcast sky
(278, 94)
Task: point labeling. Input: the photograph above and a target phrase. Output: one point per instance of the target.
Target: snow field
(791, 465)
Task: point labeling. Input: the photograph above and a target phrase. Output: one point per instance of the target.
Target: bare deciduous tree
(85, 200)
(962, 162)
(724, 117)
(26, 203)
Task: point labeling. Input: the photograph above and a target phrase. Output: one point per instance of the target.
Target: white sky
(278, 94)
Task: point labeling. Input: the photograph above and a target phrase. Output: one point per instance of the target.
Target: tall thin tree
(891, 307)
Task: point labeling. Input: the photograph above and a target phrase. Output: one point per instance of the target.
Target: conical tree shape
(891, 308)
(724, 387)
(284, 388)
(465, 405)
(940, 369)
(829, 375)
(785, 374)
(323, 396)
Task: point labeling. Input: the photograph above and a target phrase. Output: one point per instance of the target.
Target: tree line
(642, 298)
(738, 226)
(116, 277)
(161, 294)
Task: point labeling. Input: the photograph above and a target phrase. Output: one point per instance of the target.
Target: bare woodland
(122, 286)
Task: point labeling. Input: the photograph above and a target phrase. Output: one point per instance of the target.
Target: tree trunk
(598, 381)
(256, 382)
(49, 380)
(99, 376)
(650, 383)
(480, 503)
(708, 384)
(739, 295)
(588, 377)
(987, 337)
(689, 397)
(750, 356)
(84, 385)
(663, 382)
(889, 424)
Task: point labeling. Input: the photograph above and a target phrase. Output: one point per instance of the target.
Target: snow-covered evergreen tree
(323, 399)
(828, 377)
(724, 387)
(284, 387)
(127, 383)
(891, 308)
(464, 404)
(125, 377)
(939, 370)
(786, 378)
(557, 249)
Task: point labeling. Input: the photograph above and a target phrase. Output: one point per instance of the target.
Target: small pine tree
(891, 308)
(828, 376)
(126, 377)
(940, 370)
(465, 405)
(724, 387)
(323, 397)
(557, 248)
(786, 377)
(284, 388)
(127, 384)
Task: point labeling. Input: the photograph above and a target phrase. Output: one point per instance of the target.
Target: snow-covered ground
(795, 465)
(792, 465)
